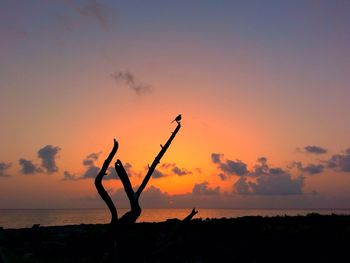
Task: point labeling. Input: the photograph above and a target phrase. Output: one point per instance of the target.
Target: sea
(24, 218)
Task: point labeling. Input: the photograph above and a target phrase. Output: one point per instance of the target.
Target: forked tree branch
(100, 189)
(135, 211)
(157, 160)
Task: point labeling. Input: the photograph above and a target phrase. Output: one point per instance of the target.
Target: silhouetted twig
(157, 160)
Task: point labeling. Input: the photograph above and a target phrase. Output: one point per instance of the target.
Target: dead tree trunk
(135, 209)
(101, 190)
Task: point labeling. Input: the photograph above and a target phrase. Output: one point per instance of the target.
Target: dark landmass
(311, 238)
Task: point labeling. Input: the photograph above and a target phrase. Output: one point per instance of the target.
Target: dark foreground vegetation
(312, 238)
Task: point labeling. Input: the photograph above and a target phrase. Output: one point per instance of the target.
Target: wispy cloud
(77, 14)
(315, 149)
(127, 79)
(180, 171)
(61, 17)
(309, 168)
(167, 169)
(96, 11)
(3, 167)
(68, 176)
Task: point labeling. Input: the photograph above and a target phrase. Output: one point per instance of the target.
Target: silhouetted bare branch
(157, 160)
(190, 216)
(100, 189)
(135, 211)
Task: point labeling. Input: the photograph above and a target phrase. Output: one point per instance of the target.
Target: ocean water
(22, 218)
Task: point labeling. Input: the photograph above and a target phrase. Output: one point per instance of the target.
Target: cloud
(28, 167)
(222, 176)
(61, 17)
(90, 172)
(337, 162)
(215, 157)
(170, 168)
(95, 11)
(315, 149)
(152, 197)
(91, 158)
(158, 174)
(111, 174)
(167, 165)
(269, 181)
(180, 171)
(203, 189)
(68, 176)
(261, 179)
(279, 183)
(129, 80)
(3, 168)
(310, 168)
(128, 168)
(260, 168)
(229, 167)
(242, 186)
(234, 167)
(92, 169)
(48, 155)
(82, 13)
(313, 168)
(340, 162)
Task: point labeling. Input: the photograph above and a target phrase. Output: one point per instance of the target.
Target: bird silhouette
(177, 119)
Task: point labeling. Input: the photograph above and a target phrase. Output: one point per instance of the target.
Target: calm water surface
(21, 218)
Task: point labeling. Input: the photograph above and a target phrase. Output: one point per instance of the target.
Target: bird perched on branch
(177, 119)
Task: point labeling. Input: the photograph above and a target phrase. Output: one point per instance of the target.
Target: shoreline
(315, 237)
(16, 219)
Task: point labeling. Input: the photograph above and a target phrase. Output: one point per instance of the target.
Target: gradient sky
(263, 87)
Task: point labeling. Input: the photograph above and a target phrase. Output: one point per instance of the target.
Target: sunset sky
(263, 88)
